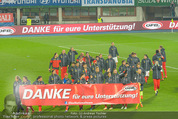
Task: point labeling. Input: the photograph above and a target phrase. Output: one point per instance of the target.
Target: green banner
(154, 2)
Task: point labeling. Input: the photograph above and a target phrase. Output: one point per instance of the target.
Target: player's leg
(62, 76)
(164, 68)
(67, 108)
(111, 107)
(105, 108)
(122, 106)
(125, 106)
(155, 85)
(40, 108)
(57, 71)
(141, 91)
(158, 85)
(162, 74)
(81, 107)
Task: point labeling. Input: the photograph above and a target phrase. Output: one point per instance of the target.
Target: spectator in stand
(46, 18)
(172, 7)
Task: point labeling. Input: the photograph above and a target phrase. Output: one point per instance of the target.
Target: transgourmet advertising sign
(87, 28)
(80, 94)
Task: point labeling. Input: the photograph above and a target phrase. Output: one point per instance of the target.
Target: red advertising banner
(86, 28)
(6, 17)
(80, 94)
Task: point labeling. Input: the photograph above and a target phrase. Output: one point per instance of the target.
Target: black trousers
(19, 106)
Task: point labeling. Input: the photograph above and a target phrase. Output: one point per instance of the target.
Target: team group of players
(89, 70)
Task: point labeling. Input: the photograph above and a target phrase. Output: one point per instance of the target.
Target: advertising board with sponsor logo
(19, 3)
(87, 28)
(6, 19)
(108, 2)
(154, 2)
(80, 94)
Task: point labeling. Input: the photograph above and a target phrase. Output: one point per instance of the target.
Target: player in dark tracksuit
(133, 61)
(146, 64)
(122, 67)
(71, 55)
(113, 52)
(98, 76)
(158, 57)
(135, 69)
(88, 59)
(66, 80)
(54, 78)
(71, 71)
(27, 82)
(16, 86)
(81, 62)
(140, 79)
(106, 73)
(99, 63)
(128, 71)
(81, 80)
(39, 81)
(86, 71)
(115, 78)
(163, 53)
(125, 80)
(102, 61)
(64, 63)
(108, 80)
(94, 65)
(156, 76)
(109, 63)
(92, 80)
(77, 72)
(55, 63)
(80, 56)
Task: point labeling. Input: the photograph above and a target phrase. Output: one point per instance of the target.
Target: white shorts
(115, 59)
(147, 73)
(161, 69)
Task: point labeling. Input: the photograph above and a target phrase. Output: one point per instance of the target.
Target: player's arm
(50, 64)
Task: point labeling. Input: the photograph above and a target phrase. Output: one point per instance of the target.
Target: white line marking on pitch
(90, 45)
(106, 55)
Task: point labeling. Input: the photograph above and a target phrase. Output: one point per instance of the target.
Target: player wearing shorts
(114, 53)
(64, 63)
(146, 65)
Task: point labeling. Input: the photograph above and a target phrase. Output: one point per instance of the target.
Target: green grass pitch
(30, 56)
